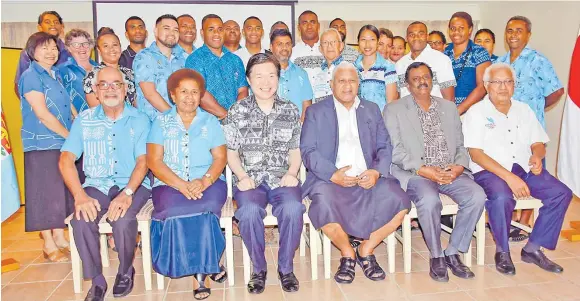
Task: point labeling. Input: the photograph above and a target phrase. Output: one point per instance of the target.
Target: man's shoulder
(399, 104)
(445, 104)
(323, 104)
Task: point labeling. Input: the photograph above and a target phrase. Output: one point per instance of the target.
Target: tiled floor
(37, 280)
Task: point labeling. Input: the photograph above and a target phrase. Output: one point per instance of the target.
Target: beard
(168, 44)
(111, 102)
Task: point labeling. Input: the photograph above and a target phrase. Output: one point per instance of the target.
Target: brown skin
(232, 35)
(385, 45)
(187, 33)
(253, 32)
(331, 46)
(485, 40)
(436, 42)
(309, 29)
(341, 27)
(368, 45)
(136, 33)
(397, 51)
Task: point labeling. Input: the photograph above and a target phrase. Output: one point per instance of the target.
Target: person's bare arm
(163, 172)
(449, 93)
(478, 93)
(38, 104)
(220, 159)
(243, 92)
(85, 206)
(305, 105)
(153, 97)
(210, 104)
(392, 92)
(554, 97)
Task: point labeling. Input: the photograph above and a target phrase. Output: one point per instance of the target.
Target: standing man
(153, 66)
(349, 53)
(331, 47)
(443, 78)
(306, 53)
(222, 70)
(253, 32)
(232, 36)
(136, 33)
(278, 25)
(187, 33)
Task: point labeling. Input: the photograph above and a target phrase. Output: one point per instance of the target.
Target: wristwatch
(128, 191)
(209, 177)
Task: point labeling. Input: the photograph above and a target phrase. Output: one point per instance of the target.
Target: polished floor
(38, 280)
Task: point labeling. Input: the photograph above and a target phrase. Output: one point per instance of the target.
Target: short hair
(38, 39)
(440, 34)
(524, 19)
(163, 17)
(262, 58)
(278, 23)
(386, 32)
(279, 33)
(417, 23)
(488, 31)
(49, 12)
(184, 74)
(185, 15)
(131, 19)
(98, 70)
(307, 12)
(371, 28)
(496, 66)
(400, 38)
(335, 19)
(416, 65)
(332, 30)
(344, 65)
(210, 16)
(76, 33)
(251, 18)
(103, 31)
(463, 15)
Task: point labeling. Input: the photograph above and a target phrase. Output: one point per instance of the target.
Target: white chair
(523, 204)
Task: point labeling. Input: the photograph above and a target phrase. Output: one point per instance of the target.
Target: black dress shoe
(538, 258)
(457, 267)
(96, 293)
(289, 282)
(257, 283)
(504, 263)
(124, 284)
(438, 269)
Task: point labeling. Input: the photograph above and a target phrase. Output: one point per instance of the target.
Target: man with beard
(349, 53)
(253, 32)
(154, 64)
(306, 53)
(222, 70)
(187, 33)
(232, 36)
(114, 184)
(136, 33)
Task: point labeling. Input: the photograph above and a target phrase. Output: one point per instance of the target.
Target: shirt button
(188, 156)
(114, 148)
(115, 161)
(514, 157)
(113, 135)
(512, 143)
(509, 130)
(115, 172)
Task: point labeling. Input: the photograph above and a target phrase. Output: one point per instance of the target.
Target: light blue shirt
(35, 135)
(73, 76)
(150, 65)
(185, 54)
(110, 147)
(535, 79)
(294, 85)
(373, 82)
(187, 152)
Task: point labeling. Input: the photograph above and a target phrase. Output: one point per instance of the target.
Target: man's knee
(478, 196)
(291, 210)
(124, 224)
(429, 203)
(249, 211)
(79, 225)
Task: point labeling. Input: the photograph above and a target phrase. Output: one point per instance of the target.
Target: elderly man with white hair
(506, 144)
(331, 47)
(347, 150)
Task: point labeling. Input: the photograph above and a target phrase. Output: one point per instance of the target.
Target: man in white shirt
(506, 144)
(253, 32)
(306, 53)
(443, 78)
(349, 53)
(331, 47)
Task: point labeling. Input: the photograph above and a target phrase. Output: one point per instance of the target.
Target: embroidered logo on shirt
(204, 132)
(491, 124)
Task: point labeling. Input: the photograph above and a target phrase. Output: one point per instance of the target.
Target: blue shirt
(150, 65)
(24, 61)
(535, 79)
(494, 58)
(185, 54)
(374, 81)
(187, 152)
(35, 135)
(223, 75)
(73, 75)
(110, 147)
(294, 85)
(465, 68)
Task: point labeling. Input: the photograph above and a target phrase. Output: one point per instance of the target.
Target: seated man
(506, 144)
(347, 151)
(113, 138)
(428, 159)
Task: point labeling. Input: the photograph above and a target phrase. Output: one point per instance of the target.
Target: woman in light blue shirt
(186, 152)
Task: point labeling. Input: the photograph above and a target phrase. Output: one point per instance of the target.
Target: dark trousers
(86, 234)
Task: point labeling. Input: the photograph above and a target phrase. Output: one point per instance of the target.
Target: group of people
(375, 128)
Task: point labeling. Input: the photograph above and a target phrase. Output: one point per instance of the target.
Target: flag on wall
(569, 153)
(10, 195)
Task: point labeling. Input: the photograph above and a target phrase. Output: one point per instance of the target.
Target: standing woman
(46, 120)
(398, 50)
(80, 45)
(109, 47)
(385, 43)
(378, 76)
(186, 152)
(486, 39)
(469, 62)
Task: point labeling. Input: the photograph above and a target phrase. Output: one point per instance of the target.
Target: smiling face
(344, 85)
(485, 40)
(517, 34)
(459, 31)
(51, 25)
(417, 37)
(500, 86)
(331, 45)
(110, 87)
(253, 31)
(167, 33)
(232, 32)
(109, 48)
(368, 43)
(385, 45)
(282, 48)
(398, 50)
(213, 33)
(136, 32)
(341, 27)
(46, 54)
(308, 26)
(264, 80)
(436, 42)
(186, 96)
(187, 30)
(420, 82)
(80, 48)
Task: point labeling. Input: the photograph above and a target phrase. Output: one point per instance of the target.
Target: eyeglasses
(106, 85)
(498, 83)
(435, 43)
(328, 43)
(78, 45)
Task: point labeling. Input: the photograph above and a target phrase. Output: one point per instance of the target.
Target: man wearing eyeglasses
(506, 144)
(331, 47)
(112, 136)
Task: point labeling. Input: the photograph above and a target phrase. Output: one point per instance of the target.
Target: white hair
(344, 65)
(332, 30)
(94, 80)
(496, 66)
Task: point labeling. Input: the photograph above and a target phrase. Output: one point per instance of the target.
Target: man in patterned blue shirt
(222, 70)
(113, 138)
(187, 34)
(154, 64)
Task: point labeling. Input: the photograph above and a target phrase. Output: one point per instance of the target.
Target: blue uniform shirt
(110, 147)
(150, 65)
(373, 82)
(73, 76)
(294, 85)
(24, 61)
(223, 75)
(187, 152)
(465, 68)
(535, 79)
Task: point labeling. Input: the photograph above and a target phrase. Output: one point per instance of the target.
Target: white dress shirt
(245, 55)
(349, 147)
(505, 138)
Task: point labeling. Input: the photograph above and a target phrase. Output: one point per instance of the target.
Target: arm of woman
(38, 103)
(478, 93)
(392, 92)
(220, 158)
(163, 172)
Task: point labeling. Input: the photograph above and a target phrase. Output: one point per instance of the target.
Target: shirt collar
(470, 45)
(128, 111)
(358, 62)
(356, 102)
(316, 45)
(36, 66)
(175, 51)
(525, 52)
(206, 49)
(131, 52)
(336, 61)
(291, 67)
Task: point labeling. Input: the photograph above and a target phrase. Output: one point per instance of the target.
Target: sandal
(55, 256)
(517, 236)
(345, 273)
(370, 267)
(201, 290)
(220, 277)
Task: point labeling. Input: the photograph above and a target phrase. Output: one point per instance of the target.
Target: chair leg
(326, 244)
(146, 253)
(313, 251)
(480, 239)
(228, 226)
(391, 250)
(318, 242)
(303, 241)
(247, 264)
(104, 250)
(160, 282)
(535, 217)
(406, 226)
(77, 268)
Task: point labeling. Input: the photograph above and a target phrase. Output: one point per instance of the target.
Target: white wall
(28, 11)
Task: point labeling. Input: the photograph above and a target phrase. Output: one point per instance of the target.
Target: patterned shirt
(127, 57)
(224, 75)
(294, 85)
(465, 68)
(494, 58)
(373, 82)
(110, 147)
(535, 79)
(263, 141)
(150, 65)
(91, 80)
(24, 61)
(308, 58)
(73, 75)
(350, 54)
(187, 152)
(35, 135)
(436, 149)
(321, 83)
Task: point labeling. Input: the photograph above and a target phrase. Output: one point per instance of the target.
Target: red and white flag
(569, 152)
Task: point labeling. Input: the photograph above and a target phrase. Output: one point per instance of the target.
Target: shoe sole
(509, 273)
(439, 279)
